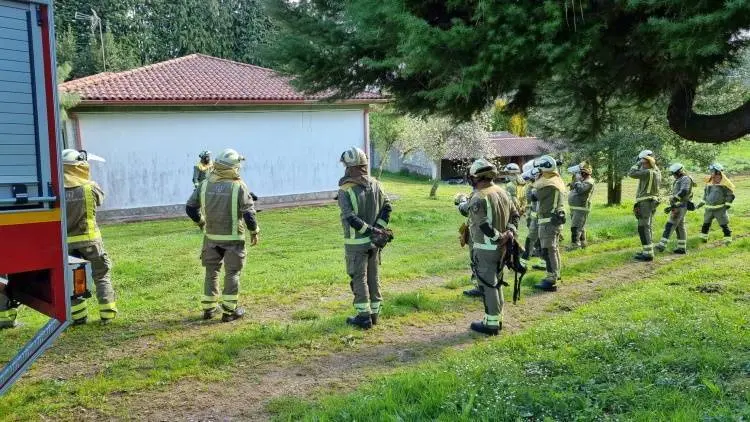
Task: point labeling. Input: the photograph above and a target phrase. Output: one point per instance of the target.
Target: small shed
(150, 123)
(507, 148)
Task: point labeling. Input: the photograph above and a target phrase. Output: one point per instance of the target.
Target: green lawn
(736, 156)
(654, 349)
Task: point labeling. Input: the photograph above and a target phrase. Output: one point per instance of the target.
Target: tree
(456, 57)
(625, 129)
(66, 100)
(387, 131)
(502, 121)
(141, 32)
(440, 138)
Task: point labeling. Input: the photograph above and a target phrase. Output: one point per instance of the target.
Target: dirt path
(385, 349)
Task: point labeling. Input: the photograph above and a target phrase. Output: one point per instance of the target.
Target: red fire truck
(35, 270)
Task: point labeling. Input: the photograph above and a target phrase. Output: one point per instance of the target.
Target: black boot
(362, 321)
(8, 324)
(583, 238)
(680, 251)
(574, 242)
(479, 327)
(238, 313)
(527, 249)
(475, 292)
(640, 256)
(547, 285)
(727, 234)
(704, 232)
(210, 313)
(81, 321)
(374, 319)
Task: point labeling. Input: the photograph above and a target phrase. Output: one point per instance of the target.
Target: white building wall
(150, 155)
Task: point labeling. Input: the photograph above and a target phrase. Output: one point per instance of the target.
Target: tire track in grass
(384, 349)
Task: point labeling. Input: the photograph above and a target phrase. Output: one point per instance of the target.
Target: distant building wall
(150, 155)
(415, 163)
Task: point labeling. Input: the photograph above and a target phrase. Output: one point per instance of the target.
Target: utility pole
(94, 21)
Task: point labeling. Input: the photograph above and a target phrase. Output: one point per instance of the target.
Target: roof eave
(90, 102)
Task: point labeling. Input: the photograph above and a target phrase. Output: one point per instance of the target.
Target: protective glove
(254, 239)
(459, 199)
(254, 196)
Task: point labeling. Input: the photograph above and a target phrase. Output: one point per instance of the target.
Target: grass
(657, 350)
(735, 156)
(297, 296)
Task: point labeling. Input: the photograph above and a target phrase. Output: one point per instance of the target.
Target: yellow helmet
(354, 157)
(230, 158)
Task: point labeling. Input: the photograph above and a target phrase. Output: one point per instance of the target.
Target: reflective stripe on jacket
(80, 214)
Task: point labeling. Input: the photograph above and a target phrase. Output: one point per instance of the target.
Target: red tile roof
(195, 79)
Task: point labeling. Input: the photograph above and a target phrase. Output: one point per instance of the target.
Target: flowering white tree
(440, 138)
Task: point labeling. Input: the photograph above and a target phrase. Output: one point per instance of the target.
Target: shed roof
(505, 145)
(196, 79)
(508, 145)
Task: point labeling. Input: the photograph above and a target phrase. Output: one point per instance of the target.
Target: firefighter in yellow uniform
(222, 206)
(82, 197)
(514, 186)
(365, 212)
(718, 196)
(493, 221)
(646, 201)
(202, 168)
(579, 202)
(550, 192)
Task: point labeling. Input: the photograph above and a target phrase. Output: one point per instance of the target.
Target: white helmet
(482, 167)
(71, 156)
(645, 153)
(230, 158)
(530, 174)
(546, 164)
(204, 154)
(528, 166)
(512, 168)
(676, 167)
(354, 157)
(716, 168)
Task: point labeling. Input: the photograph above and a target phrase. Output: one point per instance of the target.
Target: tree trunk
(614, 183)
(614, 192)
(380, 166)
(433, 190)
(704, 128)
(436, 181)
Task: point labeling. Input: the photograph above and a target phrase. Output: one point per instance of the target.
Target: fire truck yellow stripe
(12, 219)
